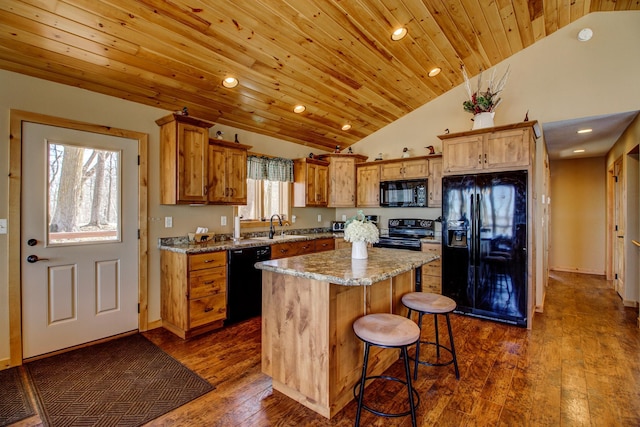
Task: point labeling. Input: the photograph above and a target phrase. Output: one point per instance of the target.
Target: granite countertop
(338, 267)
(181, 245)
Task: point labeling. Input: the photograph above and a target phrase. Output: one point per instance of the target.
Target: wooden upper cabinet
(227, 178)
(342, 178)
(368, 181)
(184, 142)
(495, 149)
(310, 178)
(404, 169)
(435, 182)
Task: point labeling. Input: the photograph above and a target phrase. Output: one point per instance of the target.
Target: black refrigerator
(484, 245)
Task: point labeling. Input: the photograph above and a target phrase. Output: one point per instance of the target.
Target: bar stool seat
(430, 303)
(387, 331)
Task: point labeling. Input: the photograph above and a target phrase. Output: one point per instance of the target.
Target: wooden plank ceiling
(336, 57)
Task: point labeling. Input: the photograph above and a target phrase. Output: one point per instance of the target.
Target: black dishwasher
(244, 283)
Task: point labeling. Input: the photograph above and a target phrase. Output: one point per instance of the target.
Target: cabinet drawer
(325, 245)
(207, 260)
(431, 284)
(432, 268)
(207, 309)
(207, 282)
(435, 249)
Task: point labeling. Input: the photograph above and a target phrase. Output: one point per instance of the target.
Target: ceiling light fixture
(585, 34)
(435, 71)
(399, 34)
(585, 130)
(299, 109)
(230, 82)
(346, 127)
(581, 150)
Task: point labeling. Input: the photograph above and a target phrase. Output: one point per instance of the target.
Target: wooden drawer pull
(208, 309)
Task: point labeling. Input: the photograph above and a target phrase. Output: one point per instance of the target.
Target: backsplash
(183, 240)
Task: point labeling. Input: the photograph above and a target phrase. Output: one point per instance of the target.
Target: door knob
(32, 242)
(34, 258)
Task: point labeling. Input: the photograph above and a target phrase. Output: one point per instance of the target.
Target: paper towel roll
(236, 227)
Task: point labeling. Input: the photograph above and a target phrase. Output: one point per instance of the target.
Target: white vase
(483, 120)
(359, 250)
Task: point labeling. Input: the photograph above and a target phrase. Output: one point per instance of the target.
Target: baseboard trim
(577, 270)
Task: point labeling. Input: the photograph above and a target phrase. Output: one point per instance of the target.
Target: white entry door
(79, 237)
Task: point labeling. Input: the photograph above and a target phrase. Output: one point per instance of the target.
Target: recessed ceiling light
(585, 34)
(435, 71)
(346, 126)
(230, 82)
(398, 34)
(585, 130)
(579, 151)
(299, 109)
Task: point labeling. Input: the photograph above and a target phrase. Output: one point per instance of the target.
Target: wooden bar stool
(387, 331)
(428, 303)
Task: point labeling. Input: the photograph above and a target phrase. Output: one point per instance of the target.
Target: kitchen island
(309, 304)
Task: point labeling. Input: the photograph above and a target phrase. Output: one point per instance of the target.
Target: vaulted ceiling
(335, 57)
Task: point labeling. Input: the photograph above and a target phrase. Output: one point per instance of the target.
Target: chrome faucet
(272, 230)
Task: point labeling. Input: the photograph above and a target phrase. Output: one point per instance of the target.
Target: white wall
(578, 215)
(557, 78)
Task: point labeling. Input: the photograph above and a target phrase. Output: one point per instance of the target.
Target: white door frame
(17, 117)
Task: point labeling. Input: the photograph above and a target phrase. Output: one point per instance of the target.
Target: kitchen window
(268, 189)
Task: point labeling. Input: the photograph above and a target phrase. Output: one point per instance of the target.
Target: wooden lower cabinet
(340, 243)
(432, 271)
(287, 249)
(193, 292)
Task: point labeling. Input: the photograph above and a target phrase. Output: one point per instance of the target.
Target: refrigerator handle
(478, 222)
(472, 240)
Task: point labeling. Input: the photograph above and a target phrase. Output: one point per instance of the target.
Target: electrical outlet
(344, 217)
(168, 222)
(293, 218)
(223, 220)
(3, 226)
(319, 218)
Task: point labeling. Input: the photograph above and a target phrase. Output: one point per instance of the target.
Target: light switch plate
(3, 226)
(168, 221)
(319, 218)
(223, 220)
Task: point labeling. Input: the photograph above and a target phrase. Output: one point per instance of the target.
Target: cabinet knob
(208, 309)
(209, 282)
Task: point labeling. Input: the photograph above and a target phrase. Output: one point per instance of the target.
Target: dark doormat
(14, 400)
(125, 382)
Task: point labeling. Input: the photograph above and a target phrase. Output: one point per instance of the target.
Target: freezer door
(458, 266)
(501, 255)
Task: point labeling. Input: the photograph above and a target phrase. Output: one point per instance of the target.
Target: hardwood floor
(579, 366)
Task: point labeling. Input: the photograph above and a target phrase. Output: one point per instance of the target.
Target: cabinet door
(193, 142)
(435, 182)
(321, 185)
(506, 149)
(391, 171)
(236, 176)
(462, 154)
(217, 174)
(342, 183)
(415, 169)
(368, 182)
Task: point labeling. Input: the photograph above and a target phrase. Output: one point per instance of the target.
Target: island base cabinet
(309, 348)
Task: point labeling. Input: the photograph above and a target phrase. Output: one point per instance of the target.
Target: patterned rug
(125, 382)
(14, 400)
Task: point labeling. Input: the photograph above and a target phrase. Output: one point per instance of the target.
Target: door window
(83, 196)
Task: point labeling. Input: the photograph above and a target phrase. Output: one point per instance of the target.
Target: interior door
(79, 238)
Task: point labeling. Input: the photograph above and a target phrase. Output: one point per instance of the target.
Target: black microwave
(404, 194)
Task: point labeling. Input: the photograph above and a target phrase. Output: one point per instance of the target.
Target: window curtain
(270, 168)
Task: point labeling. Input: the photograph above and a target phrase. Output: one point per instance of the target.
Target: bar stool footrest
(416, 395)
(441, 347)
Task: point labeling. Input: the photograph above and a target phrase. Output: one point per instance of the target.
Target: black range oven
(405, 233)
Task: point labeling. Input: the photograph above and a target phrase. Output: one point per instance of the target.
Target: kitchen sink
(278, 237)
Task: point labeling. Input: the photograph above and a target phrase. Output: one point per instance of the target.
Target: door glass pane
(83, 197)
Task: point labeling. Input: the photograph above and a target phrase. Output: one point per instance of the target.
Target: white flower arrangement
(358, 229)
